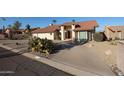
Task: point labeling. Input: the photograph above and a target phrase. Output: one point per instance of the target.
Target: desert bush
(41, 45)
(99, 37)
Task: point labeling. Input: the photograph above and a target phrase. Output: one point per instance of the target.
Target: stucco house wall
(114, 34)
(109, 34)
(44, 35)
(122, 35)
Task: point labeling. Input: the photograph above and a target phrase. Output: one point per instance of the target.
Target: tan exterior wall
(109, 34)
(35, 35)
(112, 35)
(122, 34)
(44, 35)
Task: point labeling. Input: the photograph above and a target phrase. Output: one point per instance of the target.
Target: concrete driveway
(90, 59)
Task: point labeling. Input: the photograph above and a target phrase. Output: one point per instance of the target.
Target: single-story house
(114, 32)
(69, 30)
(32, 29)
(9, 32)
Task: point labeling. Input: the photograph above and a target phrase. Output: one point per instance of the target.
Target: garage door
(83, 35)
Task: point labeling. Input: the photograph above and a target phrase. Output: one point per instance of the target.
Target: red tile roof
(69, 23)
(12, 30)
(32, 29)
(88, 25)
(116, 28)
(52, 28)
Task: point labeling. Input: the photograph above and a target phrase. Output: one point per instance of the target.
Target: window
(50, 33)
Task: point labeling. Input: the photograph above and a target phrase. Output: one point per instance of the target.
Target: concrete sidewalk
(64, 67)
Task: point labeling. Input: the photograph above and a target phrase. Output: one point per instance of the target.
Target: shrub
(41, 45)
(99, 37)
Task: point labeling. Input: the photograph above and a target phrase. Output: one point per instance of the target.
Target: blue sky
(45, 21)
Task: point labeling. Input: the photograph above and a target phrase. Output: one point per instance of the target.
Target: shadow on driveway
(67, 45)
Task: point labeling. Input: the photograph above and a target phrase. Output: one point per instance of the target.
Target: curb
(57, 65)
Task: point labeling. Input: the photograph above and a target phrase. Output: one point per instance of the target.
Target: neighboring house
(9, 32)
(114, 32)
(32, 29)
(70, 30)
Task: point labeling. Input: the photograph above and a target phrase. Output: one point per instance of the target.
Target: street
(13, 64)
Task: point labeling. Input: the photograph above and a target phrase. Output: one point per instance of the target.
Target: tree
(28, 28)
(16, 25)
(54, 21)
